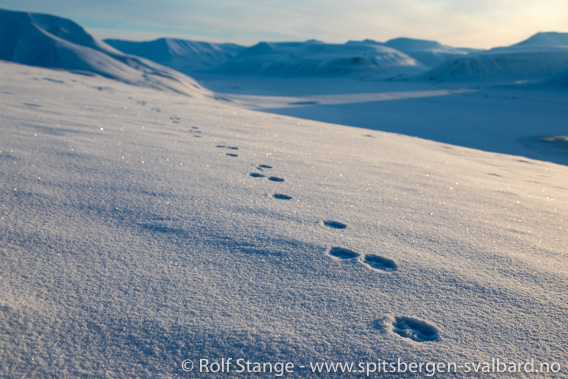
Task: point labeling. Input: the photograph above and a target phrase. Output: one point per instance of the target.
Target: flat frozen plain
(508, 119)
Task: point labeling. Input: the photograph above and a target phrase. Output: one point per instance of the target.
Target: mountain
(540, 56)
(547, 39)
(53, 42)
(315, 58)
(181, 55)
(429, 53)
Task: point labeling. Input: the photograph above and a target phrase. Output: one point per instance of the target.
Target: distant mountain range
(538, 57)
(50, 41)
(184, 56)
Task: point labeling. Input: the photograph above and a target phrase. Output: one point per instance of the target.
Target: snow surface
(315, 58)
(181, 55)
(538, 57)
(54, 42)
(429, 53)
(510, 120)
(140, 228)
(559, 80)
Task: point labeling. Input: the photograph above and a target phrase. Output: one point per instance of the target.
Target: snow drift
(53, 42)
(540, 56)
(181, 55)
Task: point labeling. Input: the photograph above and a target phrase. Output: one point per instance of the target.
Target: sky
(460, 23)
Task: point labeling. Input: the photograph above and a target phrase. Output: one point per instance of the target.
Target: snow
(315, 58)
(181, 55)
(546, 39)
(134, 237)
(508, 120)
(429, 53)
(559, 80)
(54, 42)
(538, 57)
(140, 227)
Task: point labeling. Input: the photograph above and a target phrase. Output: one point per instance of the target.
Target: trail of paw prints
(261, 169)
(281, 196)
(412, 328)
(194, 130)
(343, 253)
(233, 148)
(334, 224)
(415, 329)
(372, 261)
(376, 262)
(277, 179)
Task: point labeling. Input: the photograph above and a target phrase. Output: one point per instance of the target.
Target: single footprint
(415, 329)
(379, 263)
(343, 253)
(276, 179)
(232, 155)
(334, 224)
(281, 196)
(257, 175)
(264, 166)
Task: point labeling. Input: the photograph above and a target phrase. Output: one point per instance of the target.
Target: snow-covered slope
(139, 229)
(559, 80)
(545, 40)
(314, 58)
(540, 56)
(429, 53)
(181, 55)
(54, 42)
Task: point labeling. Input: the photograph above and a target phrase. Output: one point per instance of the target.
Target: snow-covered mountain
(315, 58)
(143, 229)
(540, 56)
(181, 55)
(544, 40)
(54, 42)
(429, 53)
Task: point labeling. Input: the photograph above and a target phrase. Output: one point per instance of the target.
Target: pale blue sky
(467, 23)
